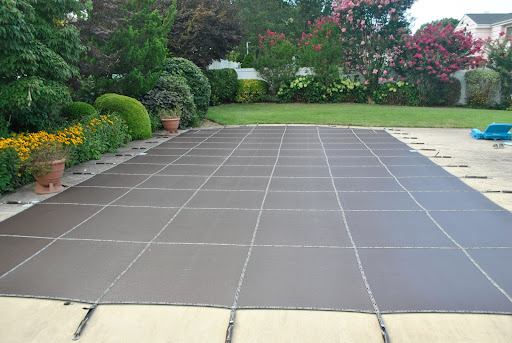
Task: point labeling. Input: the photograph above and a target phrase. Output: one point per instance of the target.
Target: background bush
(170, 92)
(33, 103)
(251, 91)
(130, 110)
(4, 127)
(224, 84)
(396, 93)
(77, 110)
(303, 89)
(482, 84)
(196, 80)
(248, 61)
(10, 178)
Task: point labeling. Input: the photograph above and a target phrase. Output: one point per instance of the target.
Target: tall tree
(205, 30)
(37, 48)
(128, 43)
(261, 15)
(370, 29)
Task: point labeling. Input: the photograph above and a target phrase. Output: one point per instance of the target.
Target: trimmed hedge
(224, 84)
(172, 91)
(251, 91)
(77, 110)
(130, 110)
(196, 80)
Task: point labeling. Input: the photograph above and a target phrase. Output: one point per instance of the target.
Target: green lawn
(356, 115)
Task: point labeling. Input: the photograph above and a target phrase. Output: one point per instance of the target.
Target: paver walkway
(267, 217)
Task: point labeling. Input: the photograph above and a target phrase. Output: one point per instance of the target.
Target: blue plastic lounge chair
(494, 131)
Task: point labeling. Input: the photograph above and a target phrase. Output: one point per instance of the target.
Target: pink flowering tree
(432, 54)
(369, 30)
(275, 62)
(499, 52)
(319, 49)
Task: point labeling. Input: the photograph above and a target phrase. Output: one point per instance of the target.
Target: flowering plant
(39, 162)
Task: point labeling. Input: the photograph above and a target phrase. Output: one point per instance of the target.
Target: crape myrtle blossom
(369, 28)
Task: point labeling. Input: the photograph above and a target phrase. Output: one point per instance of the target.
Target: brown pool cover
(267, 217)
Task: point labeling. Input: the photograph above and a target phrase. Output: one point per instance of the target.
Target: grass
(356, 115)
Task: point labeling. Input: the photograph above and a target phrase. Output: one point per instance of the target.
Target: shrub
(84, 141)
(4, 127)
(276, 63)
(303, 89)
(77, 110)
(198, 83)
(10, 178)
(251, 91)
(346, 90)
(32, 103)
(172, 91)
(224, 84)
(452, 95)
(100, 134)
(130, 110)
(482, 84)
(248, 61)
(397, 93)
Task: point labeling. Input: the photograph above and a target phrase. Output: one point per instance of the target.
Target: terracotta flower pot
(171, 125)
(50, 182)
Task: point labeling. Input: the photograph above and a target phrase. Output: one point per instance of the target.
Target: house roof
(489, 18)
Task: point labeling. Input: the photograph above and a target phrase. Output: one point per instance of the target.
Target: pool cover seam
(85, 220)
(158, 234)
(354, 246)
(305, 246)
(267, 209)
(427, 212)
(234, 307)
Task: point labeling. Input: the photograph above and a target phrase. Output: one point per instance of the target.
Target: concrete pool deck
(49, 320)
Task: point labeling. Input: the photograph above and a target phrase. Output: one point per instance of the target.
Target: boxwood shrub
(224, 84)
(251, 90)
(130, 110)
(77, 110)
(196, 80)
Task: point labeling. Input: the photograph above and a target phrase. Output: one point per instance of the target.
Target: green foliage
(309, 90)
(77, 110)
(397, 93)
(482, 85)
(37, 47)
(499, 56)
(303, 89)
(102, 133)
(156, 123)
(170, 92)
(248, 61)
(36, 39)
(130, 110)
(9, 175)
(126, 52)
(32, 103)
(276, 63)
(452, 95)
(224, 85)
(251, 91)
(4, 128)
(205, 30)
(346, 90)
(196, 80)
